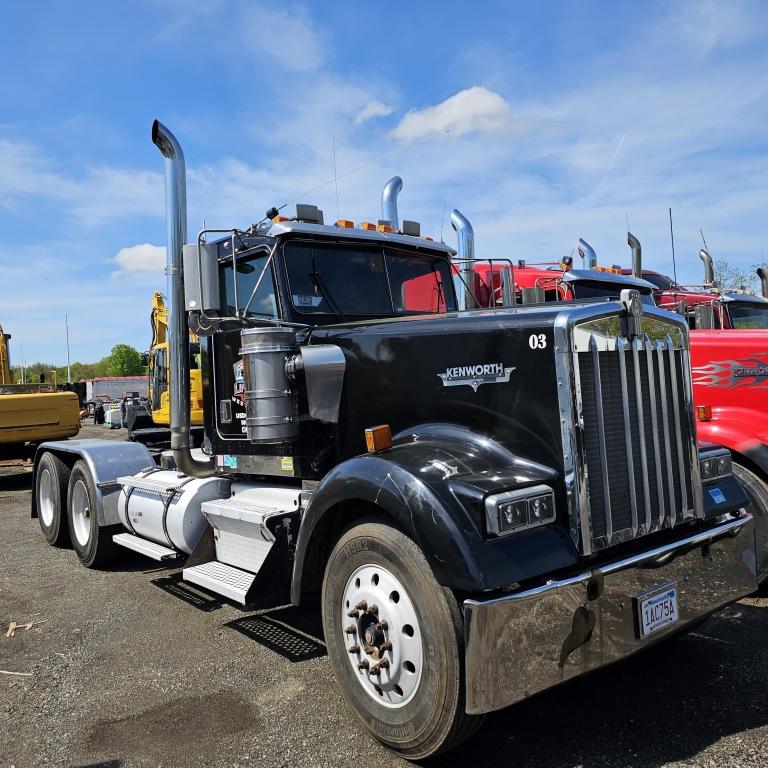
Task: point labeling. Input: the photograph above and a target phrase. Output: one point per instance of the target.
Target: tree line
(123, 360)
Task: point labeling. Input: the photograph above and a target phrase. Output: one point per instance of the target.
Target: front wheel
(395, 640)
(92, 543)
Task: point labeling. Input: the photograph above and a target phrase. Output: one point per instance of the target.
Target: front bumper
(527, 641)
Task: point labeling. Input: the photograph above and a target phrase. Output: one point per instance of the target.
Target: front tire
(378, 581)
(51, 481)
(757, 491)
(92, 543)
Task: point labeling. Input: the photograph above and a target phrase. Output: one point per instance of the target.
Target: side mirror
(145, 359)
(201, 278)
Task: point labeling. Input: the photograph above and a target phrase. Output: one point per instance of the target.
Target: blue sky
(563, 119)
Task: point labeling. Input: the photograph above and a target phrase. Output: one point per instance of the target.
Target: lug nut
(363, 664)
(352, 614)
(385, 646)
(351, 629)
(382, 625)
(374, 609)
(376, 668)
(354, 648)
(361, 606)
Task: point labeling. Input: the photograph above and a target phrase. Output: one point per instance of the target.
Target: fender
(107, 460)
(432, 483)
(741, 430)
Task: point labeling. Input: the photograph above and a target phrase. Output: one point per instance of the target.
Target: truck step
(150, 484)
(222, 579)
(145, 547)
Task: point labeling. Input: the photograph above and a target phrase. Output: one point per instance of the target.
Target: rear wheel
(395, 640)
(92, 543)
(50, 496)
(757, 491)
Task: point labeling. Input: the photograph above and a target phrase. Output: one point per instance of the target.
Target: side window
(249, 272)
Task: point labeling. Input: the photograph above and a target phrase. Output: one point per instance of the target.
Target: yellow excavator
(150, 423)
(32, 413)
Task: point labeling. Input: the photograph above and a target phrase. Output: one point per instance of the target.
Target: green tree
(124, 360)
(732, 278)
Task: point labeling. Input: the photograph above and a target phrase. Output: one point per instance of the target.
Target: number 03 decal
(537, 341)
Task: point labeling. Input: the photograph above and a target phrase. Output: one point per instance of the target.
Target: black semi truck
(488, 501)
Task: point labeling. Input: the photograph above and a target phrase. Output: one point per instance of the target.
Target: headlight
(518, 510)
(715, 465)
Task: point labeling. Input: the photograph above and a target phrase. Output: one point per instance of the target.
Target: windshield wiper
(320, 285)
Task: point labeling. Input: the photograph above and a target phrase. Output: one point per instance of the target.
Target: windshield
(587, 290)
(747, 314)
(366, 281)
(660, 281)
(250, 270)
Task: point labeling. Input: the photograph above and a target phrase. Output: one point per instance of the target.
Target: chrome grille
(638, 447)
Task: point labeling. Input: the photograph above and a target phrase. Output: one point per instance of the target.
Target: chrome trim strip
(621, 345)
(667, 444)
(601, 436)
(693, 445)
(678, 429)
(732, 527)
(655, 425)
(641, 424)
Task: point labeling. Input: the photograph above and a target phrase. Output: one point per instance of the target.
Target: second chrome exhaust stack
(465, 252)
(389, 202)
(587, 252)
(709, 270)
(178, 333)
(763, 275)
(637, 255)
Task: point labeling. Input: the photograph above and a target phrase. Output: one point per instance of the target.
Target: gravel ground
(127, 669)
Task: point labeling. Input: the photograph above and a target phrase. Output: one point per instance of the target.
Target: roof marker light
(345, 224)
(367, 226)
(280, 219)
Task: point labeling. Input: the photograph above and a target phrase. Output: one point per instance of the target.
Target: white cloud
(711, 24)
(474, 109)
(372, 110)
(289, 39)
(140, 258)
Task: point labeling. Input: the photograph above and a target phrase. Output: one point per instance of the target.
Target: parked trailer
(442, 480)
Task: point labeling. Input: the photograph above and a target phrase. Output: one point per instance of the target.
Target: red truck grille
(637, 438)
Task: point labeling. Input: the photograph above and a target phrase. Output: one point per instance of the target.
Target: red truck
(728, 339)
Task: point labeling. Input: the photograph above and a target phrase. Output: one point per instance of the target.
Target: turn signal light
(367, 225)
(378, 438)
(279, 219)
(704, 412)
(345, 224)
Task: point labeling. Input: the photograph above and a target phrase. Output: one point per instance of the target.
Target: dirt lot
(125, 668)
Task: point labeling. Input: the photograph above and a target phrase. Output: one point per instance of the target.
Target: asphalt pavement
(129, 668)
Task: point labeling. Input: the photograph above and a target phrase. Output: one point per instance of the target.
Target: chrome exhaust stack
(465, 253)
(178, 333)
(587, 252)
(763, 275)
(389, 202)
(637, 255)
(709, 270)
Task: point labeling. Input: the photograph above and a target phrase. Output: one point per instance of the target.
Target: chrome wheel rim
(81, 512)
(45, 497)
(382, 636)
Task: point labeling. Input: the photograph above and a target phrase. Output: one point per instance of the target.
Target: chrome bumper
(525, 642)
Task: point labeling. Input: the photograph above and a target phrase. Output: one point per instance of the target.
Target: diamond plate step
(144, 547)
(222, 579)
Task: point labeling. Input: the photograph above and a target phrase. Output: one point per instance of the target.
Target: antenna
(336, 180)
(706, 247)
(364, 165)
(672, 237)
(442, 221)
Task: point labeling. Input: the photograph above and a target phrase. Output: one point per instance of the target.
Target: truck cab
(488, 501)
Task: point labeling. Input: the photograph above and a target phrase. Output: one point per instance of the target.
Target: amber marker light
(367, 225)
(378, 438)
(345, 224)
(280, 219)
(704, 412)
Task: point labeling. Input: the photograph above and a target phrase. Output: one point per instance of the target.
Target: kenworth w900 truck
(489, 502)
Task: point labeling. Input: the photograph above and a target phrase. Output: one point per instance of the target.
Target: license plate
(658, 609)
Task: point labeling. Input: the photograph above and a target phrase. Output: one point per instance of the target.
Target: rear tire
(757, 491)
(416, 704)
(51, 481)
(92, 543)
